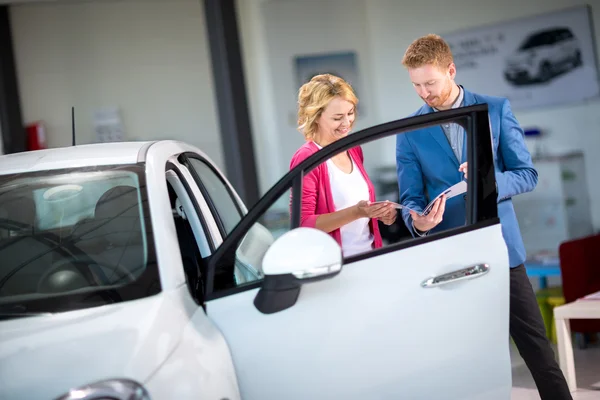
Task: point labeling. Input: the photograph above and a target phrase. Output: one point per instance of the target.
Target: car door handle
(474, 271)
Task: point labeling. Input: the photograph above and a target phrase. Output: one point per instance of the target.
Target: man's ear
(452, 70)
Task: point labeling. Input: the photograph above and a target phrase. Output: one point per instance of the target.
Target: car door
(423, 318)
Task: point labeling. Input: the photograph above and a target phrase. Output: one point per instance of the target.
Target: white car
(542, 56)
(134, 271)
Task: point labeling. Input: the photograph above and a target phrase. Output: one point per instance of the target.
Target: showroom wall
(147, 58)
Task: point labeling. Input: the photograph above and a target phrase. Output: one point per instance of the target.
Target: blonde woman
(337, 195)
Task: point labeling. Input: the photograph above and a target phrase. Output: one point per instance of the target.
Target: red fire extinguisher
(36, 136)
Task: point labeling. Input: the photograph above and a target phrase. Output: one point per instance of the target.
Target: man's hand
(390, 217)
(463, 168)
(428, 222)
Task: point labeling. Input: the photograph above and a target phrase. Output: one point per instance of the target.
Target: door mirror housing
(299, 256)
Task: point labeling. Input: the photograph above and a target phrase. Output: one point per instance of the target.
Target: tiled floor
(587, 367)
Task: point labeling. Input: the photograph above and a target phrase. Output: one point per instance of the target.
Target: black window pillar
(234, 119)
(11, 123)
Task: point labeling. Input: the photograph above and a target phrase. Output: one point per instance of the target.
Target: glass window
(219, 197)
(75, 231)
(424, 177)
(537, 40)
(271, 224)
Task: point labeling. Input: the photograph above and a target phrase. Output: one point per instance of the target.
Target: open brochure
(454, 190)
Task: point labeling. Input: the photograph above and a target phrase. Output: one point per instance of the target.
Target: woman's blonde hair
(314, 96)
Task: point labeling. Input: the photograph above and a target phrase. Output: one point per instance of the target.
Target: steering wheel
(66, 275)
(7, 223)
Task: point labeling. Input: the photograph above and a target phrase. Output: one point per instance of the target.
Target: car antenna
(73, 123)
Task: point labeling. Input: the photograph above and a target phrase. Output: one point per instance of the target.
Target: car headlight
(112, 389)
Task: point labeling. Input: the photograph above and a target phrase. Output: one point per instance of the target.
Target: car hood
(44, 357)
(519, 57)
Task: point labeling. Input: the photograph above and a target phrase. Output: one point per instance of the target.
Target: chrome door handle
(474, 271)
(319, 271)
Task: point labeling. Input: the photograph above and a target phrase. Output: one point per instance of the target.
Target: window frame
(184, 159)
(481, 199)
(176, 169)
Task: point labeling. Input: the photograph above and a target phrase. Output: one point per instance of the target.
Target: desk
(542, 271)
(580, 309)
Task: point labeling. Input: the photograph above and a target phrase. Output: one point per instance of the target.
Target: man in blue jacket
(432, 159)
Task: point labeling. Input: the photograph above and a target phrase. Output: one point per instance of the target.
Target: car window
(537, 40)
(273, 223)
(552, 37)
(568, 34)
(75, 231)
(224, 206)
(287, 206)
(564, 35)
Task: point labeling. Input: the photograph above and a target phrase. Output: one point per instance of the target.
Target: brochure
(454, 190)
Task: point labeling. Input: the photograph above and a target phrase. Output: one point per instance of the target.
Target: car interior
(110, 248)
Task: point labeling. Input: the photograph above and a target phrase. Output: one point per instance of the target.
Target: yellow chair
(542, 296)
(554, 301)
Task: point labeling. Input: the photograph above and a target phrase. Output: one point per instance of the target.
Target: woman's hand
(363, 209)
(366, 209)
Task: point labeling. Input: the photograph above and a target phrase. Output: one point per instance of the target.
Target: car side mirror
(299, 256)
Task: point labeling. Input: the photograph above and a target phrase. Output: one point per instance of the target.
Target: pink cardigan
(316, 191)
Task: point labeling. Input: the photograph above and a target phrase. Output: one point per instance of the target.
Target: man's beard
(440, 100)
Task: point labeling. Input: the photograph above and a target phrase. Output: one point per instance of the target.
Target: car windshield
(545, 38)
(74, 238)
(537, 40)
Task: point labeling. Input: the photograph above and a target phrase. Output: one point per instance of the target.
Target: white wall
(261, 98)
(307, 28)
(150, 58)
(380, 31)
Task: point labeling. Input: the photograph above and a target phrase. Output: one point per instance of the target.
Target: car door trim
(373, 253)
(420, 240)
(185, 160)
(199, 229)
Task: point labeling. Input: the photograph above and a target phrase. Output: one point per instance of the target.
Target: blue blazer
(426, 166)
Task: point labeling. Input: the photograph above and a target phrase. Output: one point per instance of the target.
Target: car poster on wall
(538, 61)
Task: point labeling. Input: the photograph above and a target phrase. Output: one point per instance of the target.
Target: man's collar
(459, 99)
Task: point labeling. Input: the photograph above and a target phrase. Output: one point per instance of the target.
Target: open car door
(424, 318)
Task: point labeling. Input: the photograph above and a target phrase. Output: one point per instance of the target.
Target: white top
(347, 190)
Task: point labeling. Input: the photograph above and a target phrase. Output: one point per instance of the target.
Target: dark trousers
(529, 334)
